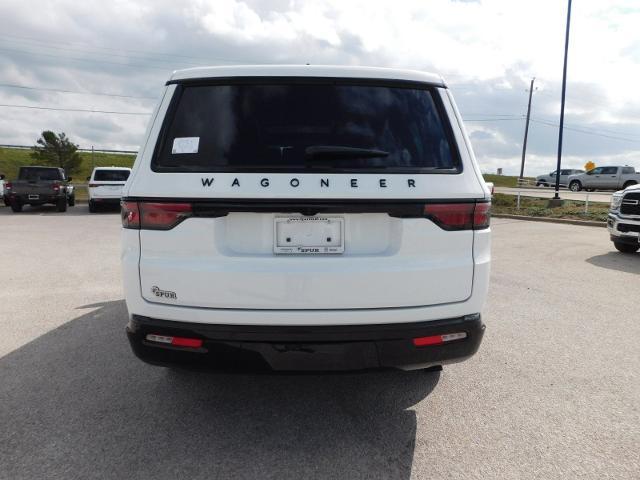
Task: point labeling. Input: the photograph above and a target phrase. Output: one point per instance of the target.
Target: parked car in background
(624, 219)
(491, 187)
(105, 186)
(39, 186)
(604, 178)
(305, 218)
(549, 180)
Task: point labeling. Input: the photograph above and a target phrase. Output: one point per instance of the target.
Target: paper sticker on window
(185, 145)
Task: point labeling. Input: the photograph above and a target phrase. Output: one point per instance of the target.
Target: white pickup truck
(624, 219)
(604, 178)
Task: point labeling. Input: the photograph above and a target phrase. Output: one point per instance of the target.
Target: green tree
(58, 151)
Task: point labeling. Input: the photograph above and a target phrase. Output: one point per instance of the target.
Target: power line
(491, 119)
(599, 130)
(144, 52)
(75, 59)
(7, 85)
(586, 132)
(149, 113)
(119, 55)
(482, 114)
(591, 129)
(74, 109)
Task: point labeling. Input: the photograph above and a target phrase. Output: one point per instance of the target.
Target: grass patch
(13, 158)
(537, 207)
(504, 180)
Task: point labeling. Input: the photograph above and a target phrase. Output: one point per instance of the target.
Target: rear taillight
(482, 216)
(154, 216)
(163, 216)
(8, 185)
(56, 187)
(439, 339)
(175, 341)
(459, 216)
(130, 214)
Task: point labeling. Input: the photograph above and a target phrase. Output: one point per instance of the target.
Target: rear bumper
(106, 200)
(269, 348)
(46, 198)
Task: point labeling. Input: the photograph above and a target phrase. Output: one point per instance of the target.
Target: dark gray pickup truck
(39, 186)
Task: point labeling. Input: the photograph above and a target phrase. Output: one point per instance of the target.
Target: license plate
(34, 197)
(308, 235)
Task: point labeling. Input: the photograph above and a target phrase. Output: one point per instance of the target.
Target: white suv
(305, 218)
(105, 186)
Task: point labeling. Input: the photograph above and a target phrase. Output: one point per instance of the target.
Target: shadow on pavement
(76, 403)
(623, 262)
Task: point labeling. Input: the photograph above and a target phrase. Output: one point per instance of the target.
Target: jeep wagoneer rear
(305, 218)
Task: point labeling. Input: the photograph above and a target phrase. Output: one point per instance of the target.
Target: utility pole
(556, 202)
(526, 129)
(93, 163)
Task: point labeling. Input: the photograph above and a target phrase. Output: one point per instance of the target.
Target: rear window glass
(34, 174)
(294, 127)
(111, 175)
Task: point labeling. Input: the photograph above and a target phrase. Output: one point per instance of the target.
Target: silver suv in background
(624, 219)
(549, 180)
(604, 178)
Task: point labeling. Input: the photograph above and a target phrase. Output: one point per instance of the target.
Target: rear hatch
(108, 183)
(266, 194)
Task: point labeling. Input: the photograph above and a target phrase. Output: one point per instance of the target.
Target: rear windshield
(111, 175)
(34, 174)
(294, 127)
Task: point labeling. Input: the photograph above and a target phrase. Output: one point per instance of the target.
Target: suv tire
(575, 186)
(72, 201)
(16, 206)
(626, 247)
(542, 184)
(62, 204)
(92, 206)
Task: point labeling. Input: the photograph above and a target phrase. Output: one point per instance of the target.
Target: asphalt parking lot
(554, 391)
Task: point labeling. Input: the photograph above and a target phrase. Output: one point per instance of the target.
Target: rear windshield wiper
(329, 152)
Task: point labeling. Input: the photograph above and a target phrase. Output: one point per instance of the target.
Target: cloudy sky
(115, 56)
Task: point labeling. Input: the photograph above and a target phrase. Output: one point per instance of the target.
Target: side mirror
(69, 179)
(88, 178)
(2, 177)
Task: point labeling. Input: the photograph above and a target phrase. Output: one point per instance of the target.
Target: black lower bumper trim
(628, 240)
(305, 348)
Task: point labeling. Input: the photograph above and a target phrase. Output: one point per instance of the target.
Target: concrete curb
(566, 221)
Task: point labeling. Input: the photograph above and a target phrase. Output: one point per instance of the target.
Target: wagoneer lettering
(295, 182)
(337, 210)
